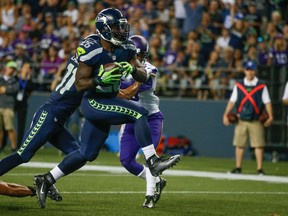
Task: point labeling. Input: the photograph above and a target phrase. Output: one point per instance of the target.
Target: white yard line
(214, 175)
(179, 192)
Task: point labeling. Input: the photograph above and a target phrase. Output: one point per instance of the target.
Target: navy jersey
(90, 52)
(65, 99)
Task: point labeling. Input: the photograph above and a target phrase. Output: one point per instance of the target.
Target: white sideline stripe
(215, 175)
(177, 192)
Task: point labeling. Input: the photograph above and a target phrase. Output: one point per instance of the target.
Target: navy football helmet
(112, 26)
(142, 46)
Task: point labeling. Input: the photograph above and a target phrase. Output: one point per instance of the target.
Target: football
(110, 66)
(263, 117)
(232, 117)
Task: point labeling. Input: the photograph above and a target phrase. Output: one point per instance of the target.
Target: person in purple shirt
(263, 52)
(279, 51)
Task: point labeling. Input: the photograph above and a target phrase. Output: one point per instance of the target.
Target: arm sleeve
(265, 96)
(234, 95)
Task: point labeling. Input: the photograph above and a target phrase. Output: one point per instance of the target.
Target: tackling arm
(16, 190)
(129, 92)
(140, 73)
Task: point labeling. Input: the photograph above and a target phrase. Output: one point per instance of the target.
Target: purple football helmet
(142, 46)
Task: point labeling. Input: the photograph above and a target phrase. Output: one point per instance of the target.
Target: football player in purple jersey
(100, 105)
(142, 94)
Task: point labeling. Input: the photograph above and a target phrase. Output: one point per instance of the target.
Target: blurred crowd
(199, 45)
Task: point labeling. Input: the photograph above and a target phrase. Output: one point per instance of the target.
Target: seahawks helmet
(112, 26)
(142, 46)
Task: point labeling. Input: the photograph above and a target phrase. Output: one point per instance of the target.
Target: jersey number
(67, 80)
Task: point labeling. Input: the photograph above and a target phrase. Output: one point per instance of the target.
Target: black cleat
(42, 185)
(158, 190)
(236, 171)
(149, 202)
(260, 172)
(54, 194)
(159, 164)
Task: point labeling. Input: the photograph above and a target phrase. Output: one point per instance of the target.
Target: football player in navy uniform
(100, 106)
(142, 94)
(48, 124)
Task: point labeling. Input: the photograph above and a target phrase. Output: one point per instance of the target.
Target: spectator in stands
(222, 41)
(263, 51)
(49, 65)
(25, 82)
(68, 28)
(21, 55)
(237, 34)
(207, 38)
(237, 65)
(24, 17)
(163, 12)
(253, 18)
(71, 12)
(179, 12)
(279, 51)
(194, 10)
(212, 71)
(249, 111)
(216, 17)
(277, 21)
(49, 37)
(150, 15)
(9, 14)
(8, 90)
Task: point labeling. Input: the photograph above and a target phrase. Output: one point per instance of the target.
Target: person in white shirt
(250, 96)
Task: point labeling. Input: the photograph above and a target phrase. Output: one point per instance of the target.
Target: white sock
(149, 151)
(143, 173)
(56, 173)
(150, 183)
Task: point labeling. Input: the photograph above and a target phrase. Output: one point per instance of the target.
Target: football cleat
(158, 189)
(149, 202)
(54, 194)
(159, 164)
(42, 185)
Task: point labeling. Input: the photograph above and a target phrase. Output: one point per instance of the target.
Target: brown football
(232, 117)
(263, 117)
(110, 66)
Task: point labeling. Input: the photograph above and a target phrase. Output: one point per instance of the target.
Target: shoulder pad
(88, 49)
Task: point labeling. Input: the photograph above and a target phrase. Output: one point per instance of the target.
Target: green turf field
(113, 193)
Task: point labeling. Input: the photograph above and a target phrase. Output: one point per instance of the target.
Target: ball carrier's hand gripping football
(126, 68)
(107, 75)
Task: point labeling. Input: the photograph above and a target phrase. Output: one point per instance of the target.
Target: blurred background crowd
(199, 45)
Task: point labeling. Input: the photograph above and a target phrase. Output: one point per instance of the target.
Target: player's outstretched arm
(16, 190)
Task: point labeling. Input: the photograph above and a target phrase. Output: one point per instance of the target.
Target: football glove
(126, 68)
(107, 77)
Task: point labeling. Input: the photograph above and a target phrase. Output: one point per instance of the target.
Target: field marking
(178, 192)
(214, 175)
